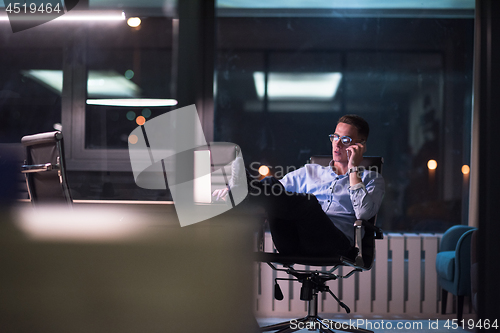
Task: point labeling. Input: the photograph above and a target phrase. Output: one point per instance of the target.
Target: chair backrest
(372, 163)
(222, 155)
(45, 168)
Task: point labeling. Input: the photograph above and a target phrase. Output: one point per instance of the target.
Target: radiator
(402, 280)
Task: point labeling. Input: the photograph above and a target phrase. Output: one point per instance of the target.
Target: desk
(135, 270)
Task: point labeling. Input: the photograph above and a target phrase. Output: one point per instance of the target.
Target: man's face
(338, 148)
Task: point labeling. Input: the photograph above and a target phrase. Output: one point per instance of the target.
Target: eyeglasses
(346, 140)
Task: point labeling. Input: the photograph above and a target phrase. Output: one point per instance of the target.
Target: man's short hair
(358, 122)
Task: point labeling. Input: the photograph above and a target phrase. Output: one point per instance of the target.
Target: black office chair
(314, 281)
(45, 168)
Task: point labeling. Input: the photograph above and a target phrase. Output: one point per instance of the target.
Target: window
(407, 71)
(123, 74)
(28, 105)
(70, 75)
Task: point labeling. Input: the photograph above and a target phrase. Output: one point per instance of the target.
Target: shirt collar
(331, 168)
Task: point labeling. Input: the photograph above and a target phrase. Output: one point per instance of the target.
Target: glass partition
(94, 75)
(406, 69)
(127, 80)
(28, 103)
(283, 75)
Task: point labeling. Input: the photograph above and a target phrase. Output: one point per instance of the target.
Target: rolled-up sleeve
(366, 197)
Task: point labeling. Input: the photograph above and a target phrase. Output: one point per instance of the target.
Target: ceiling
(298, 8)
(353, 4)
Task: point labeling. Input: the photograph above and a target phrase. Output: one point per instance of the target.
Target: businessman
(312, 210)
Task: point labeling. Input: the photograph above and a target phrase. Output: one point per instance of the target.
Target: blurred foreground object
(10, 157)
(110, 268)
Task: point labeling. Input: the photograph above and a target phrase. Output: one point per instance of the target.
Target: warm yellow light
(465, 169)
(264, 170)
(140, 120)
(133, 139)
(134, 22)
(432, 164)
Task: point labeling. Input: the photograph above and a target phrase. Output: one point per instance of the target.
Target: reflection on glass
(408, 75)
(298, 86)
(139, 90)
(133, 102)
(27, 106)
(99, 83)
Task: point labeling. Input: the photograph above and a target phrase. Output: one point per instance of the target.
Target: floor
(377, 324)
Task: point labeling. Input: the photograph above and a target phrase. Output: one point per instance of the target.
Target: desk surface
(123, 268)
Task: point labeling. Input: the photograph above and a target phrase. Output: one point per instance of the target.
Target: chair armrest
(39, 167)
(379, 233)
(451, 237)
(463, 263)
(358, 242)
(358, 238)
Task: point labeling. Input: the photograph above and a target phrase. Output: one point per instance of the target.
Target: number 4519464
(471, 324)
(32, 8)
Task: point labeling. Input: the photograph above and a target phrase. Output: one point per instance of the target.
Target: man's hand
(220, 194)
(355, 153)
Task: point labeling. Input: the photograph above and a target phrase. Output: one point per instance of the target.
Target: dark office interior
(424, 78)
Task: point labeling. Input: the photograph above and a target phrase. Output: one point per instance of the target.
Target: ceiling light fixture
(298, 86)
(133, 102)
(90, 16)
(119, 90)
(99, 83)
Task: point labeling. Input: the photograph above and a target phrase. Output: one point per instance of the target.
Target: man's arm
(355, 153)
(296, 181)
(366, 196)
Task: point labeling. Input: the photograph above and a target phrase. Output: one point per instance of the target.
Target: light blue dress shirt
(339, 201)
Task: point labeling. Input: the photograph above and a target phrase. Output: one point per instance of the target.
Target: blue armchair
(453, 265)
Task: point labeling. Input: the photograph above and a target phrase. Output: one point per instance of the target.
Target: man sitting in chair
(312, 210)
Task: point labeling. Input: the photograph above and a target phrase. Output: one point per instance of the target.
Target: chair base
(312, 323)
(460, 304)
(312, 284)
